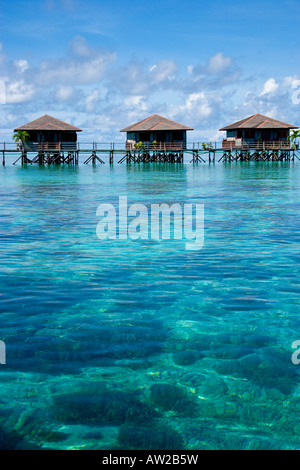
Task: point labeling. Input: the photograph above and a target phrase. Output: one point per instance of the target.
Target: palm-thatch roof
(156, 123)
(259, 121)
(47, 123)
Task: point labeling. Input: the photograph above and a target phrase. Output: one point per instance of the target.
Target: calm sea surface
(141, 344)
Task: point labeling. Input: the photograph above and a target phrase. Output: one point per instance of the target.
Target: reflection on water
(142, 344)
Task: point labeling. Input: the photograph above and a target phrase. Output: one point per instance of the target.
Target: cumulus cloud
(218, 72)
(163, 70)
(199, 110)
(90, 85)
(196, 103)
(275, 100)
(72, 71)
(19, 92)
(64, 93)
(216, 65)
(130, 79)
(21, 65)
(138, 79)
(91, 100)
(83, 64)
(292, 82)
(135, 101)
(78, 46)
(270, 86)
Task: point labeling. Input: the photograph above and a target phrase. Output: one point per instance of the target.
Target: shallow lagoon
(138, 344)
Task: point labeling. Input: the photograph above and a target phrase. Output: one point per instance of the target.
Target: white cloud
(291, 82)
(270, 86)
(218, 63)
(78, 46)
(82, 65)
(105, 96)
(131, 79)
(19, 92)
(135, 101)
(199, 103)
(190, 69)
(21, 65)
(72, 71)
(163, 70)
(64, 93)
(196, 107)
(91, 100)
(276, 100)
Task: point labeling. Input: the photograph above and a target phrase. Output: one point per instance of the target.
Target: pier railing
(160, 146)
(107, 147)
(240, 144)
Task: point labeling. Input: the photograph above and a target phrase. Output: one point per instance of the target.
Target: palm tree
(20, 137)
(294, 136)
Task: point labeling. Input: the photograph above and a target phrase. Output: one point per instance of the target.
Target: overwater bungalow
(257, 131)
(157, 132)
(49, 133)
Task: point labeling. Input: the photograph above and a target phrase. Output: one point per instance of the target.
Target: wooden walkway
(69, 153)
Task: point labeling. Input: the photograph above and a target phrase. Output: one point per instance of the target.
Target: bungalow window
(231, 134)
(130, 135)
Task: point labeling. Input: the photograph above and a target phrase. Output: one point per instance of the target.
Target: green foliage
(294, 136)
(20, 137)
(139, 145)
(207, 146)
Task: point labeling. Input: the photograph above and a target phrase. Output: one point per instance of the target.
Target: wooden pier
(94, 153)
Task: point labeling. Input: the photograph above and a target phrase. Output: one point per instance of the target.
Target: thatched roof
(47, 123)
(156, 123)
(259, 121)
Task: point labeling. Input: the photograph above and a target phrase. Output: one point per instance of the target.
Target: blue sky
(104, 65)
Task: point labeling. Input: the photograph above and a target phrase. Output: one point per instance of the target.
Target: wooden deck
(70, 152)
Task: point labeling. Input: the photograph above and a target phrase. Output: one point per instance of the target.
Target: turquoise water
(141, 344)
